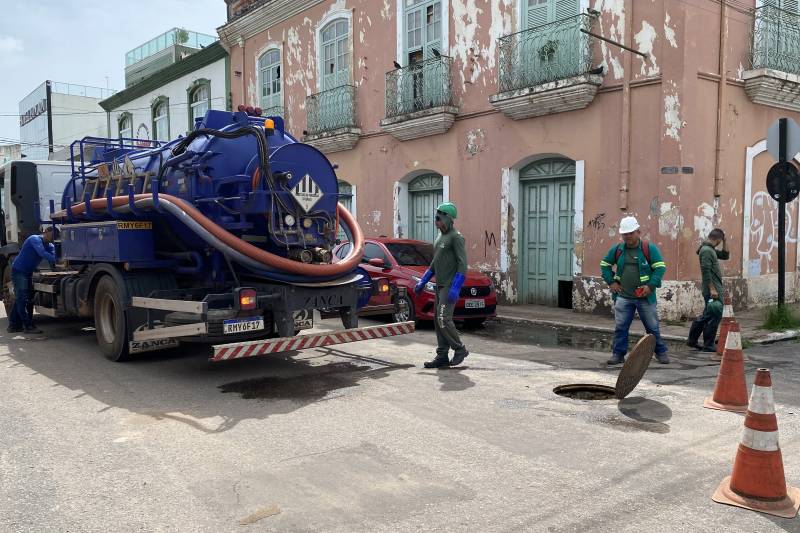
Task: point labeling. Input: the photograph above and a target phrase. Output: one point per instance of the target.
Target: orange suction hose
(257, 254)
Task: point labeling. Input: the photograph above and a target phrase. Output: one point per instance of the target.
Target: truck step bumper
(240, 350)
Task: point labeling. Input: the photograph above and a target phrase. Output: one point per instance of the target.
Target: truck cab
(26, 189)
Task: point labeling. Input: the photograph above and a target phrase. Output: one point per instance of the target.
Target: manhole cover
(584, 391)
(635, 366)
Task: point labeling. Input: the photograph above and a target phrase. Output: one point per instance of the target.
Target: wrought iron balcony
(776, 38)
(546, 53)
(331, 110)
(276, 111)
(417, 87)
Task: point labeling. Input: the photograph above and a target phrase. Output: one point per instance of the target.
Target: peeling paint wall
(671, 161)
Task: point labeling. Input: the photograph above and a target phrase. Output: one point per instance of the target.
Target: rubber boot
(440, 361)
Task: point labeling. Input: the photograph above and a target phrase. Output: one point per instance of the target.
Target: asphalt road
(362, 438)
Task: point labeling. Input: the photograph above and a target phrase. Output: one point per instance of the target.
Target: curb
(575, 327)
(770, 338)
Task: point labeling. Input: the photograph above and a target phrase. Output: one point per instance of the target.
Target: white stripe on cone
(734, 341)
(727, 311)
(762, 400)
(764, 441)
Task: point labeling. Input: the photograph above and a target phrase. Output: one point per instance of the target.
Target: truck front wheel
(109, 320)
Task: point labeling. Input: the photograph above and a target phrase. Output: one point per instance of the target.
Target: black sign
(783, 182)
(33, 112)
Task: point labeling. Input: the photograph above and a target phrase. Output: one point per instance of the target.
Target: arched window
(335, 54)
(161, 118)
(425, 194)
(199, 101)
(125, 125)
(269, 74)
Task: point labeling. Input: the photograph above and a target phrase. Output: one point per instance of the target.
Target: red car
(403, 262)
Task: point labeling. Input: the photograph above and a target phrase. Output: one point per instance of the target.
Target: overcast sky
(83, 41)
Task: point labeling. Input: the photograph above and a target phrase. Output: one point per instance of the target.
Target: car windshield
(411, 254)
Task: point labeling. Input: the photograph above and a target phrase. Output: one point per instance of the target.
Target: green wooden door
(422, 35)
(548, 208)
(335, 51)
(548, 48)
(346, 199)
(424, 196)
(269, 72)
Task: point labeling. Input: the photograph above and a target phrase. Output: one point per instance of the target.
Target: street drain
(582, 391)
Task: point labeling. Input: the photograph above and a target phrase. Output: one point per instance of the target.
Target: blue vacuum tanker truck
(223, 236)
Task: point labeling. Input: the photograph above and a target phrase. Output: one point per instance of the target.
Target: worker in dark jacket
(712, 290)
(35, 249)
(450, 267)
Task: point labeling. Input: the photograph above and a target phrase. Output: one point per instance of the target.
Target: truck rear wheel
(109, 320)
(8, 290)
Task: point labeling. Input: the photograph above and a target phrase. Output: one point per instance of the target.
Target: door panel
(423, 208)
(548, 244)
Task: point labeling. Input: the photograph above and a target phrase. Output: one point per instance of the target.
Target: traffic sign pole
(782, 217)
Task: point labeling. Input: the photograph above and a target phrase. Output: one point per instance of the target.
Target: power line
(182, 104)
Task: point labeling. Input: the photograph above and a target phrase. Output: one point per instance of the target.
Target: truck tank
(237, 193)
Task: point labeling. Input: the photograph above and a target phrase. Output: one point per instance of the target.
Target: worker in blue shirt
(34, 250)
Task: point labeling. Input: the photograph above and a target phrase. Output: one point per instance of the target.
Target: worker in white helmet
(633, 270)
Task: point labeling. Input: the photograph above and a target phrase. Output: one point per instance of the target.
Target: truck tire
(8, 290)
(110, 324)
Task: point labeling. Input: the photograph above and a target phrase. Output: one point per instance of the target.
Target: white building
(9, 152)
(165, 104)
(55, 114)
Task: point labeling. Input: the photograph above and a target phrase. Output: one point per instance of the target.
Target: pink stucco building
(542, 133)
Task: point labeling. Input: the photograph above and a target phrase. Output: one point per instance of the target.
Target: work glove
(455, 288)
(420, 286)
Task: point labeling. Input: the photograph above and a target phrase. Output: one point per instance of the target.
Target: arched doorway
(547, 206)
(425, 193)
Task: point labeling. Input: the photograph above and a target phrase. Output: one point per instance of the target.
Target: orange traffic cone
(724, 325)
(730, 393)
(758, 482)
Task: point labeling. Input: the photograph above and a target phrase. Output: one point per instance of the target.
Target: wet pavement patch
(585, 391)
(307, 382)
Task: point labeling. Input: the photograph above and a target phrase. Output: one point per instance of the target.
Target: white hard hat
(628, 225)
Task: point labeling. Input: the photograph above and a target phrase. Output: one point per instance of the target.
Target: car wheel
(406, 311)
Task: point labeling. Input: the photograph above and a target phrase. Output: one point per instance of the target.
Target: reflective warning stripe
(644, 278)
(762, 401)
(241, 350)
(764, 441)
(733, 341)
(659, 264)
(604, 264)
(616, 278)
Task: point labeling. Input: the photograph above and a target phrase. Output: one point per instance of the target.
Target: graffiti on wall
(488, 240)
(764, 232)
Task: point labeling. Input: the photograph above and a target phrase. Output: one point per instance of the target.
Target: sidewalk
(749, 322)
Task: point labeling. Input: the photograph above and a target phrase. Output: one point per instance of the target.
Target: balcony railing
(331, 110)
(776, 38)
(424, 85)
(546, 53)
(275, 111)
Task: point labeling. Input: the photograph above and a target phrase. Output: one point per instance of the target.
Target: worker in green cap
(449, 266)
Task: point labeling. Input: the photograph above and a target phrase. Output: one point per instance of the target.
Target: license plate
(303, 319)
(243, 325)
(474, 304)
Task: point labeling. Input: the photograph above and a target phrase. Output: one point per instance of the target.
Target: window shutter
(537, 13)
(568, 8)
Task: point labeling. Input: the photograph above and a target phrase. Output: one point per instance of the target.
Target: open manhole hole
(632, 372)
(583, 391)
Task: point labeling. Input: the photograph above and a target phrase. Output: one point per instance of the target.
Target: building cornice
(261, 19)
(197, 60)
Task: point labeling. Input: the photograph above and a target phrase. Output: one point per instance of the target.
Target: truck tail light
(383, 286)
(247, 299)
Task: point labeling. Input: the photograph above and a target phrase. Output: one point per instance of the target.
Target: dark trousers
(446, 333)
(21, 315)
(707, 324)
